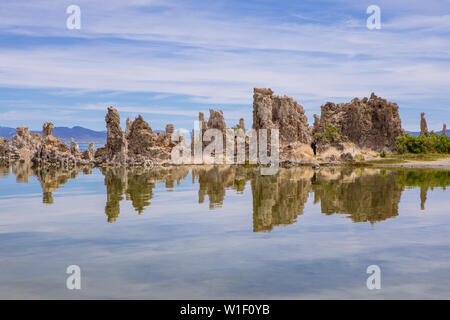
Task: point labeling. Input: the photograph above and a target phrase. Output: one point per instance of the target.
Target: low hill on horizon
(417, 133)
(79, 134)
(84, 135)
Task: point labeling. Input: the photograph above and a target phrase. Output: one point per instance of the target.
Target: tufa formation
(137, 145)
(283, 113)
(423, 125)
(372, 123)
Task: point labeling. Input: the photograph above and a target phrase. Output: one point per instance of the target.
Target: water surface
(224, 232)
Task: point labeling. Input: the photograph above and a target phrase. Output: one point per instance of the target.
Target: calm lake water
(224, 232)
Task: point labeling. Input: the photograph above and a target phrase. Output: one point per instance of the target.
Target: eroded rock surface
(74, 148)
(53, 151)
(170, 128)
(138, 145)
(140, 138)
(216, 120)
(5, 149)
(47, 129)
(371, 123)
(89, 154)
(116, 148)
(25, 144)
(146, 145)
(48, 151)
(423, 124)
(283, 113)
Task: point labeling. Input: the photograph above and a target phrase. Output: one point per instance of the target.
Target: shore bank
(443, 163)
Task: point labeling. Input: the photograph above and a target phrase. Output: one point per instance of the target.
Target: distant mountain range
(416, 134)
(84, 135)
(79, 134)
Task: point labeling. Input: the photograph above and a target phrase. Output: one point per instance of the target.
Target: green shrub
(331, 133)
(238, 130)
(383, 153)
(430, 143)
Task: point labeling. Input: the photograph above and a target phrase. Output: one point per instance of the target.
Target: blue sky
(168, 60)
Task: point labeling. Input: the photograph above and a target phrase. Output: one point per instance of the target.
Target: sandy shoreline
(430, 164)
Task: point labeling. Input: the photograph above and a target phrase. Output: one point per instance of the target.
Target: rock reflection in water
(136, 184)
(279, 199)
(425, 180)
(365, 194)
(22, 171)
(214, 180)
(51, 179)
(4, 171)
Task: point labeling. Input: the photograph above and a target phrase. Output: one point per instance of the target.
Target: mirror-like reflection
(364, 194)
(51, 179)
(136, 184)
(279, 199)
(425, 180)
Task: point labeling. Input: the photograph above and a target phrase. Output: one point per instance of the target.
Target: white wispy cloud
(216, 56)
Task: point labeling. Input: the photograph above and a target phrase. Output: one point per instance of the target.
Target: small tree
(331, 133)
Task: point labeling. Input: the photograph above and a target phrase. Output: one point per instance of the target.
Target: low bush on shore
(331, 133)
(430, 143)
